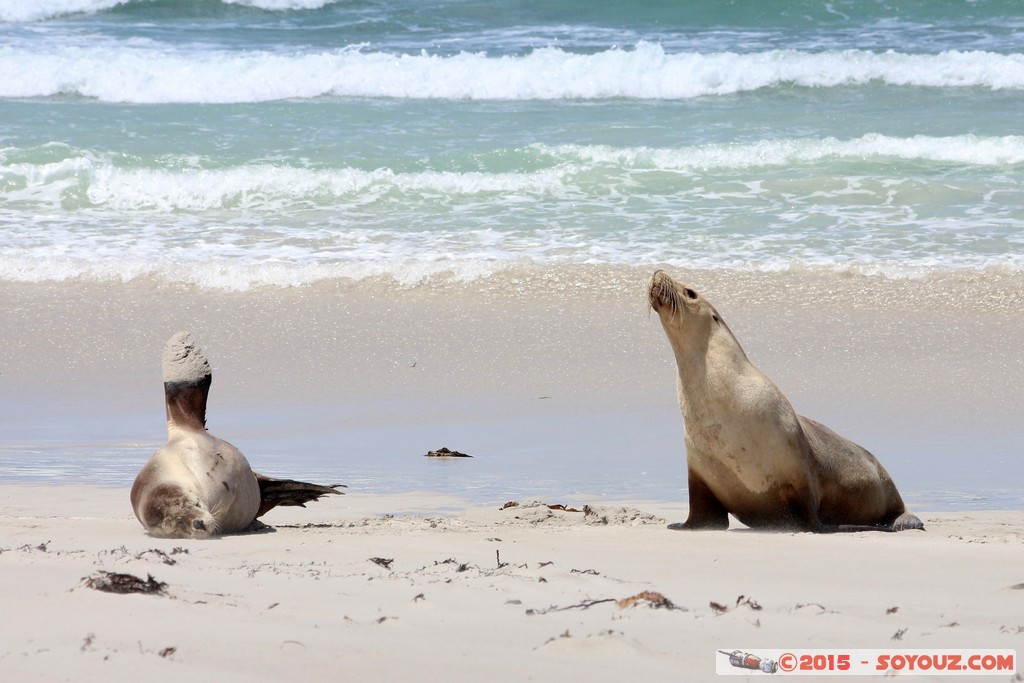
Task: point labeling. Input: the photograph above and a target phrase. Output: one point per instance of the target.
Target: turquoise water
(281, 142)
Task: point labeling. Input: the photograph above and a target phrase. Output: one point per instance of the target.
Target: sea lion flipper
(907, 521)
(274, 492)
(706, 511)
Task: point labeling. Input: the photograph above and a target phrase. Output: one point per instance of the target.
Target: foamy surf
(42, 175)
(968, 150)
(147, 73)
(41, 10)
(895, 206)
(424, 273)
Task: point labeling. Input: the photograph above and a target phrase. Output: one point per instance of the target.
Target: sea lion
(747, 451)
(197, 485)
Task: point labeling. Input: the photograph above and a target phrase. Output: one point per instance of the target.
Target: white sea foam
(973, 150)
(266, 187)
(239, 276)
(37, 10)
(283, 5)
(422, 270)
(940, 203)
(146, 73)
(569, 170)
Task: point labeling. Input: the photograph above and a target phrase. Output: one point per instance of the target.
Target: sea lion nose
(199, 525)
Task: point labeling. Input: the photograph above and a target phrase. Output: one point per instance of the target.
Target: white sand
(183, 361)
(307, 603)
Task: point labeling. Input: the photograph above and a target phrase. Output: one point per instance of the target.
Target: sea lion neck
(186, 402)
(187, 378)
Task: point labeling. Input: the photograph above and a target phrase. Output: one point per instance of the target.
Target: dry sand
(478, 594)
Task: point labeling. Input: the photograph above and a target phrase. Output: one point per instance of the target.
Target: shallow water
(547, 454)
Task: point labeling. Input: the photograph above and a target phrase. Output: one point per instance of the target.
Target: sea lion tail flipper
(274, 492)
(902, 523)
(907, 521)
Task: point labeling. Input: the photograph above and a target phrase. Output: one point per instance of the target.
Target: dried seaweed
(446, 453)
(749, 602)
(581, 606)
(164, 557)
(651, 598)
(112, 582)
(459, 566)
(719, 608)
(556, 506)
(824, 610)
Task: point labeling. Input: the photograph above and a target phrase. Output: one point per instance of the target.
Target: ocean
(232, 144)
(239, 145)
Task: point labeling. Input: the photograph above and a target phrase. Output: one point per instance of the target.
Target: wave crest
(27, 11)
(56, 175)
(153, 74)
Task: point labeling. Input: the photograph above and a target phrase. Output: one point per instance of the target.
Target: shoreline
(559, 376)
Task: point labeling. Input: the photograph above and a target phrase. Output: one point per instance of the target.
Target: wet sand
(557, 375)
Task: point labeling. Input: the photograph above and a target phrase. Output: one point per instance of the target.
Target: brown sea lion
(747, 451)
(197, 485)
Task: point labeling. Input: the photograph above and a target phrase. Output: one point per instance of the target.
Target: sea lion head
(691, 323)
(169, 511)
(678, 304)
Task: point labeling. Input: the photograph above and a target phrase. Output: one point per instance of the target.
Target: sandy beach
(384, 588)
(562, 385)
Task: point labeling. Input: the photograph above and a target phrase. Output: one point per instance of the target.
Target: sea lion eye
(690, 294)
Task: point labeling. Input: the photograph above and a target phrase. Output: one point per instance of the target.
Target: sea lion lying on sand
(197, 485)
